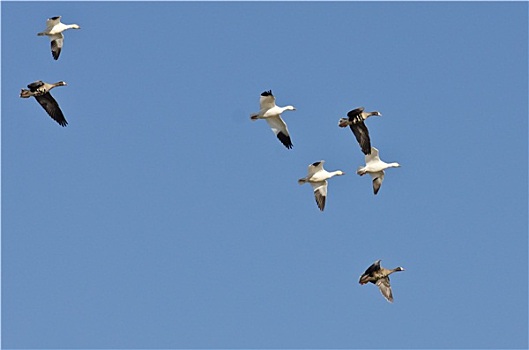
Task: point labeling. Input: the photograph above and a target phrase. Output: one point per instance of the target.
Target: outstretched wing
(355, 113)
(320, 193)
(52, 108)
(373, 156)
(373, 268)
(315, 167)
(33, 87)
(57, 41)
(51, 22)
(267, 100)
(361, 133)
(385, 288)
(279, 127)
(377, 177)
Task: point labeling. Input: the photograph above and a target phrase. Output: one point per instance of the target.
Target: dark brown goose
(380, 276)
(41, 91)
(355, 119)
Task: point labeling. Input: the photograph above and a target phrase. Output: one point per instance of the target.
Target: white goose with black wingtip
(54, 29)
(375, 167)
(272, 114)
(317, 177)
(355, 119)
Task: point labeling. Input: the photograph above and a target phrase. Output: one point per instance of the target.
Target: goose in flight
(355, 119)
(54, 29)
(41, 91)
(317, 177)
(272, 114)
(380, 276)
(375, 167)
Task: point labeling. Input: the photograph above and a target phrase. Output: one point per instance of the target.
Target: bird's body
(380, 276)
(355, 120)
(375, 167)
(317, 177)
(272, 114)
(41, 91)
(54, 29)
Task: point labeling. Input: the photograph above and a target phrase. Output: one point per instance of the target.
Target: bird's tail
(302, 181)
(361, 171)
(25, 93)
(41, 34)
(254, 116)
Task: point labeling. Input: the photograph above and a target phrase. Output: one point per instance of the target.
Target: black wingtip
(267, 93)
(285, 140)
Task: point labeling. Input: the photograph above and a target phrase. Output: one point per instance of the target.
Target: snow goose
(317, 177)
(375, 167)
(355, 119)
(272, 114)
(380, 276)
(54, 29)
(41, 91)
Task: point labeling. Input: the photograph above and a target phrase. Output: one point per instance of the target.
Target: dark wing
(369, 273)
(35, 85)
(373, 268)
(285, 140)
(52, 107)
(361, 133)
(56, 46)
(355, 112)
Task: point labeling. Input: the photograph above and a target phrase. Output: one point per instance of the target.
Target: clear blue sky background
(162, 217)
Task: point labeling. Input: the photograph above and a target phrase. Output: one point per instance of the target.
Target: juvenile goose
(317, 177)
(41, 91)
(380, 276)
(54, 29)
(375, 167)
(355, 119)
(272, 114)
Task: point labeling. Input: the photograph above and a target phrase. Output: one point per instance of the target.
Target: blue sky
(162, 217)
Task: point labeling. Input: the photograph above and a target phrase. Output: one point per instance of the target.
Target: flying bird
(54, 29)
(272, 114)
(317, 177)
(41, 91)
(355, 119)
(375, 167)
(380, 276)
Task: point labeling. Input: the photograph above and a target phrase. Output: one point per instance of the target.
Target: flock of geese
(317, 176)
